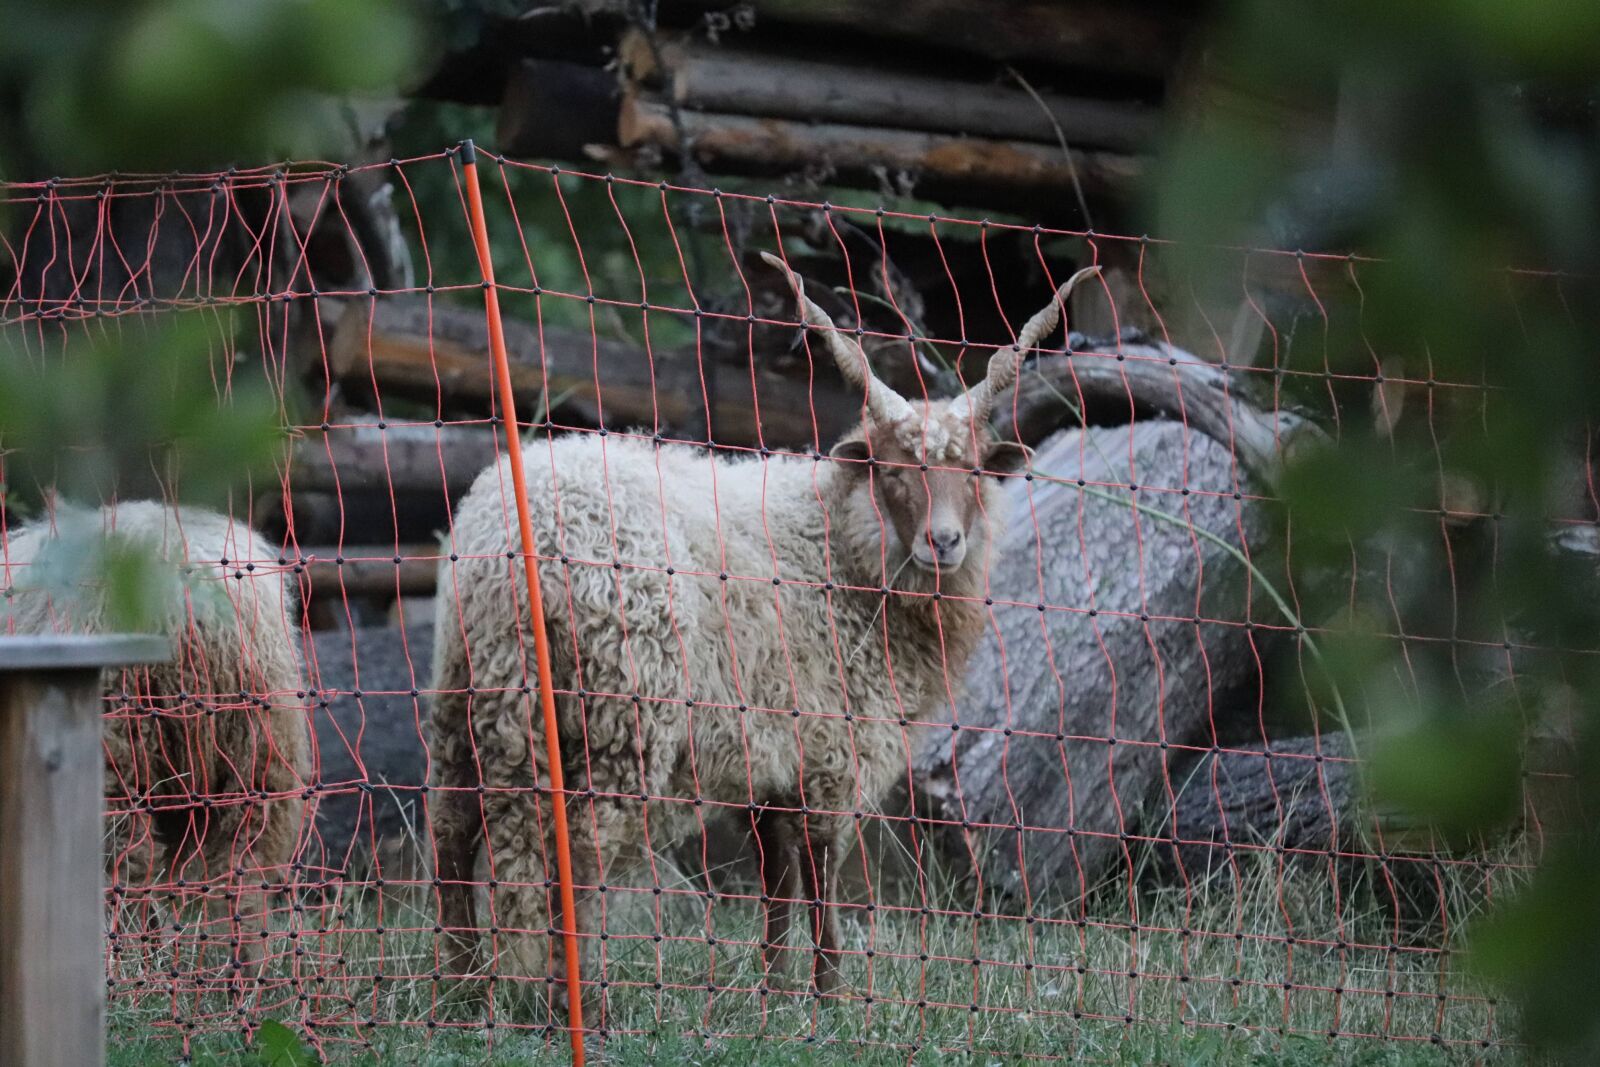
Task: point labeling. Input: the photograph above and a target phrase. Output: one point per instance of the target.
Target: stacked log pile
(834, 92)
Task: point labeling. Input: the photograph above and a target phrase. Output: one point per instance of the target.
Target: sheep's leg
(821, 848)
(280, 823)
(598, 830)
(775, 835)
(260, 845)
(527, 904)
(457, 823)
(455, 819)
(521, 870)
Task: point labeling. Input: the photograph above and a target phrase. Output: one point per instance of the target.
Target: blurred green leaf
(1545, 943)
(1459, 773)
(151, 411)
(279, 1046)
(194, 84)
(1454, 142)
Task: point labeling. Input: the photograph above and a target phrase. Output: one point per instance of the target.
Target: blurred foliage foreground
(1467, 148)
(1465, 159)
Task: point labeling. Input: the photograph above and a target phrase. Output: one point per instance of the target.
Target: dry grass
(1278, 966)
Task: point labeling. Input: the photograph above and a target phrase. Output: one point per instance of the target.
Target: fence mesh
(1132, 809)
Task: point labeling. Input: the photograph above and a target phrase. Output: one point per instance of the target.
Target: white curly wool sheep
(749, 635)
(210, 751)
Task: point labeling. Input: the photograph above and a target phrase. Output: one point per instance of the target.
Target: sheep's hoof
(828, 984)
(457, 994)
(775, 971)
(595, 1009)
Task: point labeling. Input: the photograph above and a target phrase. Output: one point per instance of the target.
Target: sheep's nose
(945, 541)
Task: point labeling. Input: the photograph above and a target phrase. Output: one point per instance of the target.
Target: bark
(371, 570)
(438, 354)
(1138, 670)
(704, 77)
(769, 145)
(1300, 795)
(1130, 380)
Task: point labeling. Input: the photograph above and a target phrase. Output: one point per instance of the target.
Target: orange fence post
(541, 642)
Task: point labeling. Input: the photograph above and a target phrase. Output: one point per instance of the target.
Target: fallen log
(1136, 380)
(1072, 715)
(437, 353)
(774, 145)
(364, 458)
(371, 570)
(704, 77)
(1296, 796)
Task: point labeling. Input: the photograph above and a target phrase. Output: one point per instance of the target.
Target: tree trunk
(1081, 712)
(704, 77)
(1298, 795)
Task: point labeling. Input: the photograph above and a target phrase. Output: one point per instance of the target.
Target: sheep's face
(924, 463)
(921, 474)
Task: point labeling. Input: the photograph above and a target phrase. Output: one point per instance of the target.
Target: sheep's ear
(1006, 457)
(853, 454)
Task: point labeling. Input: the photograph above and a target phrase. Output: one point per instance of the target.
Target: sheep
(212, 747)
(746, 634)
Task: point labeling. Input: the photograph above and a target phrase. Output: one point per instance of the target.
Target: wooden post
(52, 892)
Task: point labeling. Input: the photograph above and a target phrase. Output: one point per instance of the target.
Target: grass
(1201, 974)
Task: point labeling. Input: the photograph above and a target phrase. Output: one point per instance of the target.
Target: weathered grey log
(1300, 794)
(1153, 378)
(371, 749)
(371, 570)
(777, 145)
(725, 78)
(1090, 687)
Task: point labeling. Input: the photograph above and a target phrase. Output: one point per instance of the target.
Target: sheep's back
(795, 656)
(230, 625)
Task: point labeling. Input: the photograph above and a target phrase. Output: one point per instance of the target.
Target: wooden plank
(722, 78)
(50, 652)
(776, 145)
(371, 570)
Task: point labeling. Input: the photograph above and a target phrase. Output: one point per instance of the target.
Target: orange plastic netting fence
(1030, 800)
